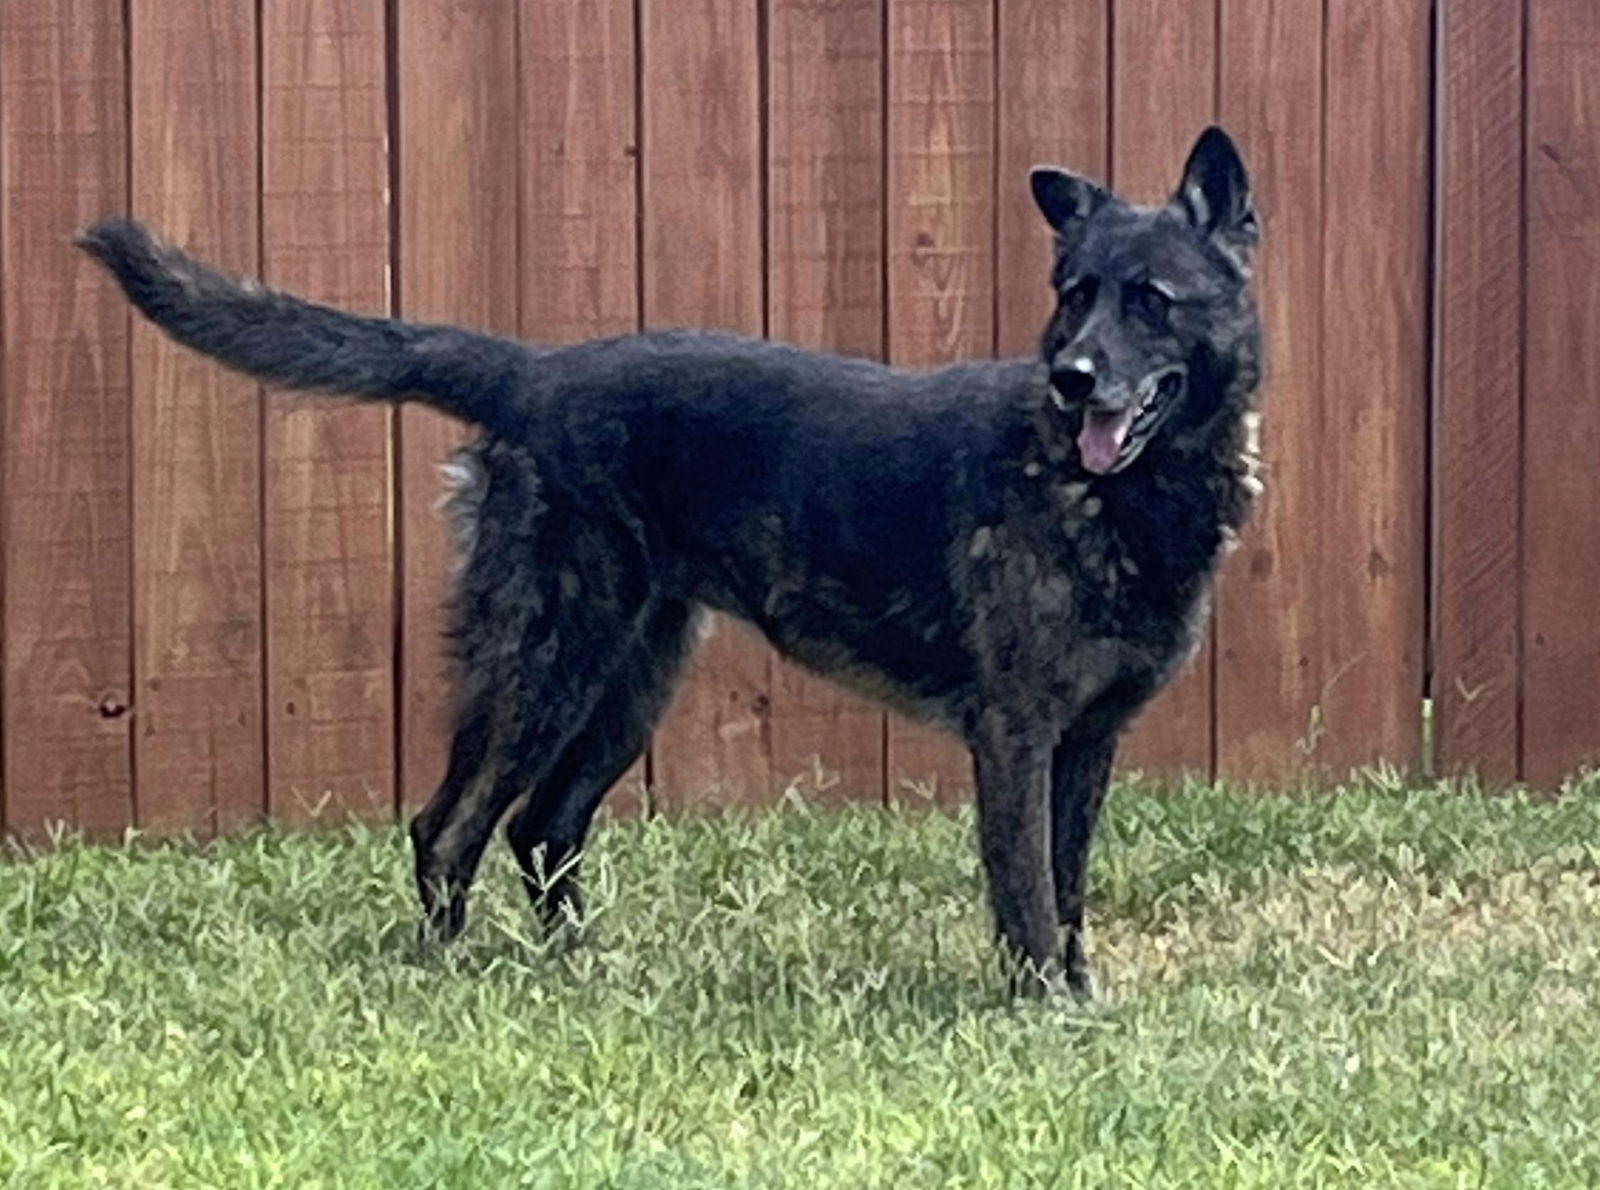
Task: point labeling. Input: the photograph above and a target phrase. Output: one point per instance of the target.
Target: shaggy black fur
(1019, 552)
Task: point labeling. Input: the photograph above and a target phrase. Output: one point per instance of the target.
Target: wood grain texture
(64, 510)
(330, 583)
(702, 262)
(580, 276)
(1163, 78)
(1163, 91)
(1478, 414)
(459, 151)
(1054, 71)
(941, 252)
(825, 289)
(579, 213)
(196, 432)
(1268, 681)
(1561, 485)
(1370, 532)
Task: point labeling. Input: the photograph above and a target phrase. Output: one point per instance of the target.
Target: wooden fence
(216, 608)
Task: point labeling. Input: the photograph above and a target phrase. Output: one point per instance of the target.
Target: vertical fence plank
(325, 233)
(1561, 485)
(64, 421)
(1478, 415)
(1266, 626)
(825, 230)
(196, 432)
(702, 265)
(459, 146)
(1163, 79)
(580, 276)
(1054, 102)
(941, 249)
(579, 214)
(1370, 531)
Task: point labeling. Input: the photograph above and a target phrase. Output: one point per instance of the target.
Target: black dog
(1019, 552)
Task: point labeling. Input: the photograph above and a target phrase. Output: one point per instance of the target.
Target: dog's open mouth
(1112, 438)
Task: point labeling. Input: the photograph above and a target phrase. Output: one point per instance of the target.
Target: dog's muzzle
(1112, 438)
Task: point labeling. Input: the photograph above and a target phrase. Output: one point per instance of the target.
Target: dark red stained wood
(825, 235)
(330, 583)
(459, 151)
(1054, 98)
(1266, 624)
(1369, 534)
(64, 510)
(1561, 641)
(702, 266)
(941, 252)
(1163, 77)
(579, 189)
(1477, 437)
(196, 433)
(580, 276)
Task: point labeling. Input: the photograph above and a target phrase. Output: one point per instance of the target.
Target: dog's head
(1151, 303)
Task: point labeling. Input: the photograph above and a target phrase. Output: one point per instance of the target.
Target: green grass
(1385, 988)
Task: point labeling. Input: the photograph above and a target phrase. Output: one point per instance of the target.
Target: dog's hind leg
(543, 696)
(547, 833)
(468, 768)
(551, 602)
(1080, 774)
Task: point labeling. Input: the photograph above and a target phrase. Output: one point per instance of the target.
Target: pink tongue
(1100, 441)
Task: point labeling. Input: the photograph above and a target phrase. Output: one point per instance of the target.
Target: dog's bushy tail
(287, 341)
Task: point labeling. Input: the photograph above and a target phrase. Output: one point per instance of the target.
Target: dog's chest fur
(1085, 591)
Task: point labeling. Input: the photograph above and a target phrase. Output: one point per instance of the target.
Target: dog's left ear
(1064, 198)
(1215, 197)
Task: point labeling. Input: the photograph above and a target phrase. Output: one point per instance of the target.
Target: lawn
(1384, 988)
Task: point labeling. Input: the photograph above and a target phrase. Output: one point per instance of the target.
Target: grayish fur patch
(461, 504)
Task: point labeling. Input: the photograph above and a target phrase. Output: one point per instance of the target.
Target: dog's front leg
(1080, 773)
(1013, 772)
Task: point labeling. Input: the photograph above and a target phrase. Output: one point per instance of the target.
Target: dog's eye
(1078, 296)
(1150, 297)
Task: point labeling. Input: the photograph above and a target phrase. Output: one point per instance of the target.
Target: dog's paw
(442, 922)
(1032, 981)
(1079, 985)
(1079, 982)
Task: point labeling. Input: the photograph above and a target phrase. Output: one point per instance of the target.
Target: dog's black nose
(1074, 380)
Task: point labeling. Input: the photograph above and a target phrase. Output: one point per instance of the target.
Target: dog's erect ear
(1215, 196)
(1064, 197)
